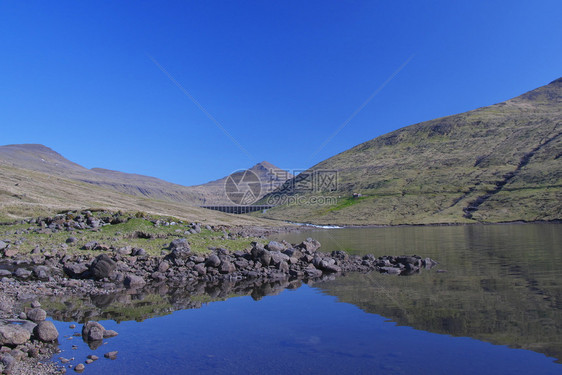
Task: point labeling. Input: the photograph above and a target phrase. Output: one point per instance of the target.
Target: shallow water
(502, 292)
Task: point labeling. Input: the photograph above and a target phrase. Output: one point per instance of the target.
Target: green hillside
(493, 164)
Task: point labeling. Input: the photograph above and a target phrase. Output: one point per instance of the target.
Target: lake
(496, 310)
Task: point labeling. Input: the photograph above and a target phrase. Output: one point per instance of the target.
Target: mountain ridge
(40, 158)
(477, 166)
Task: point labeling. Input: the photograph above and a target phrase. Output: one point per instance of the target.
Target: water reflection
(503, 283)
(161, 299)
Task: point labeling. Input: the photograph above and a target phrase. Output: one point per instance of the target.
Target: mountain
(493, 164)
(36, 178)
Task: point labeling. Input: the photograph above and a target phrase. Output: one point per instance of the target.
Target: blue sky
(87, 78)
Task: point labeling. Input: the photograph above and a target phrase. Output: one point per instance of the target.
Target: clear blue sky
(279, 76)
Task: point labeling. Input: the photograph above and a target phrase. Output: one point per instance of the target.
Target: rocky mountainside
(493, 164)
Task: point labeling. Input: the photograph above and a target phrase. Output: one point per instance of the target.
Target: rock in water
(109, 333)
(92, 331)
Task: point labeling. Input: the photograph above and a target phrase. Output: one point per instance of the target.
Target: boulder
(90, 245)
(265, 258)
(179, 243)
(102, 267)
(3, 245)
(163, 266)
(227, 267)
(109, 333)
(22, 273)
(139, 252)
(13, 334)
(212, 261)
(133, 281)
(8, 362)
(71, 240)
(200, 269)
(125, 251)
(293, 253)
(92, 331)
(275, 246)
(46, 331)
(283, 266)
(76, 270)
(310, 245)
(111, 355)
(9, 253)
(257, 250)
(42, 272)
(37, 315)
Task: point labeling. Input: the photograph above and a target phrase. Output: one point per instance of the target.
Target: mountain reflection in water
(503, 283)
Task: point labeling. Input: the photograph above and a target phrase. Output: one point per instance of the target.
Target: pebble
(111, 355)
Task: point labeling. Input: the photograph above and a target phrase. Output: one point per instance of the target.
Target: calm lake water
(497, 310)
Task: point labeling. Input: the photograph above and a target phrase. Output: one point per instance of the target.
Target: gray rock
(3, 245)
(90, 245)
(79, 367)
(139, 252)
(92, 331)
(109, 333)
(163, 266)
(310, 245)
(5, 273)
(265, 258)
(200, 269)
(275, 246)
(213, 261)
(71, 240)
(13, 334)
(46, 331)
(283, 266)
(133, 281)
(8, 362)
(37, 315)
(42, 272)
(227, 267)
(22, 273)
(102, 267)
(76, 270)
(292, 252)
(111, 355)
(125, 251)
(179, 243)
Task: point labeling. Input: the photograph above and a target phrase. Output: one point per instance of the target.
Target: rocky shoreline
(110, 269)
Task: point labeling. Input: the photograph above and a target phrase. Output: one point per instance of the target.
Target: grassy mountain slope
(40, 158)
(493, 164)
(26, 193)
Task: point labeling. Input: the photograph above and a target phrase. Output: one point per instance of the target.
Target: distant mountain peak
(31, 147)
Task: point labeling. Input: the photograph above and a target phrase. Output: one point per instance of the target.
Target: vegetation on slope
(493, 164)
